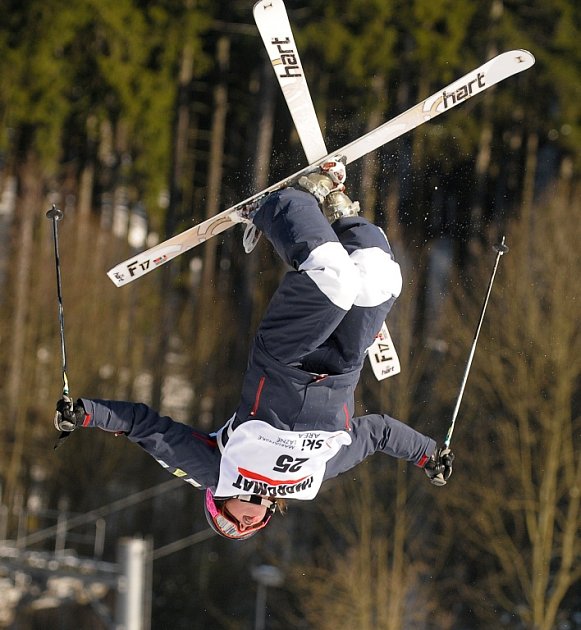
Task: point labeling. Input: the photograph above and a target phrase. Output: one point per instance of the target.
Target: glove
(439, 467)
(69, 415)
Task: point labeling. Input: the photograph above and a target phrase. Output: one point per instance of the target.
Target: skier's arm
(381, 433)
(185, 452)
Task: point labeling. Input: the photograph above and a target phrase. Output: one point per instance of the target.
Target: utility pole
(133, 609)
(265, 575)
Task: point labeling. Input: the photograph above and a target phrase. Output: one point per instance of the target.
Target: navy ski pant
(330, 306)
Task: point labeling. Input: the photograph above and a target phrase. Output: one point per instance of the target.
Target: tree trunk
(528, 186)
(483, 155)
(207, 288)
(7, 203)
(262, 155)
(481, 168)
(370, 163)
(393, 193)
(177, 178)
(30, 200)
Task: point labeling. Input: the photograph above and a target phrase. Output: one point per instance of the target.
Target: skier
(294, 426)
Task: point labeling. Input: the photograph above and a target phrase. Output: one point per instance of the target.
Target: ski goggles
(227, 525)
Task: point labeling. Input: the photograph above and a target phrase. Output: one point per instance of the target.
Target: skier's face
(247, 515)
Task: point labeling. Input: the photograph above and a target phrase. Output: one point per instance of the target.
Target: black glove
(69, 415)
(439, 466)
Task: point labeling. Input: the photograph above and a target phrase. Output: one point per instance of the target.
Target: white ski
(497, 69)
(382, 355)
(273, 24)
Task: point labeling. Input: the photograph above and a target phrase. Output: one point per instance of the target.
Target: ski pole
(56, 215)
(500, 249)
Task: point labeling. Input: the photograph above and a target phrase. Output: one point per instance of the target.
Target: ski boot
(337, 205)
(329, 190)
(329, 178)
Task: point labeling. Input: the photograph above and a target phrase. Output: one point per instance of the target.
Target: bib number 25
(286, 463)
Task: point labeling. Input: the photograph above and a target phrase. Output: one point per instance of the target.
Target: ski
(274, 27)
(383, 356)
(492, 72)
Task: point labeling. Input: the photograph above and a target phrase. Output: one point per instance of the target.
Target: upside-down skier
(294, 426)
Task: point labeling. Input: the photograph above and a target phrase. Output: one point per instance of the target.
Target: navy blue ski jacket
(195, 457)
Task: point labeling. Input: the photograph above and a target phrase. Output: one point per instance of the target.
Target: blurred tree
(551, 32)
(76, 83)
(357, 43)
(15, 414)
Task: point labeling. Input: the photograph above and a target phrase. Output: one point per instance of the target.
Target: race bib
(260, 459)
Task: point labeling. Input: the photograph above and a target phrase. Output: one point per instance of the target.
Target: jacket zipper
(347, 419)
(258, 394)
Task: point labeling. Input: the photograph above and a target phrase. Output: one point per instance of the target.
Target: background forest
(139, 117)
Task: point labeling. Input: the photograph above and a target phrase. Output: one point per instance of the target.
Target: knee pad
(379, 276)
(334, 273)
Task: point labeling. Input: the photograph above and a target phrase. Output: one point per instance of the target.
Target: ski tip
(524, 56)
(116, 277)
(266, 4)
(506, 65)
(143, 263)
(522, 59)
(131, 270)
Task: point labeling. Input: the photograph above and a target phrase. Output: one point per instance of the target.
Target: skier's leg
(292, 221)
(313, 298)
(379, 285)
